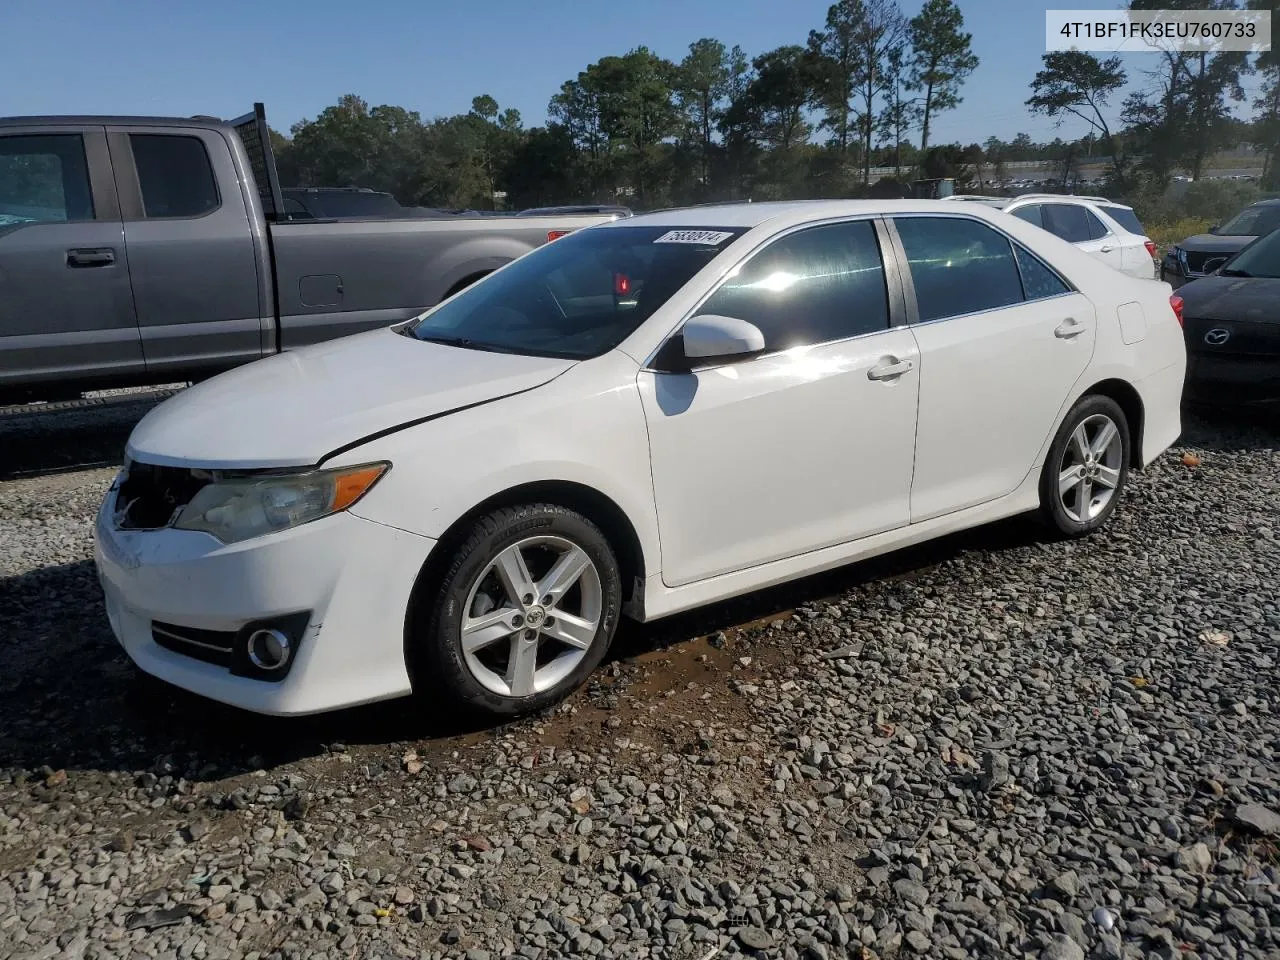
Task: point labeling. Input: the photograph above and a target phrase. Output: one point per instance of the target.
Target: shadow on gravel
(1229, 429)
(70, 699)
(41, 444)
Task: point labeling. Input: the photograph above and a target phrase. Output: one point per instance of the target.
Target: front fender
(585, 427)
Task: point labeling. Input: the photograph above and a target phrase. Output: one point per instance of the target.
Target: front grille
(211, 646)
(1195, 261)
(149, 496)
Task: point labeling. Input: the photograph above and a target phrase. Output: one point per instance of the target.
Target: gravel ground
(992, 745)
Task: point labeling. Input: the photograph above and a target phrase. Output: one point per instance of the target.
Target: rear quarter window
(1126, 218)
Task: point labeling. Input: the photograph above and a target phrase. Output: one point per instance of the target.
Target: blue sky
(184, 57)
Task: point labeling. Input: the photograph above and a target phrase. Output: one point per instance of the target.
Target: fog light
(268, 649)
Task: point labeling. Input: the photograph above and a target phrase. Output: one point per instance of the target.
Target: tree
(1078, 84)
(900, 114)
(782, 87)
(941, 60)
(881, 29)
(1266, 125)
(834, 54)
(702, 85)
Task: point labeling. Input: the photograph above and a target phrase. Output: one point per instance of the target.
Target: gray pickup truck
(150, 250)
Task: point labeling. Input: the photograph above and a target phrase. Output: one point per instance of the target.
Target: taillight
(621, 284)
(1175, 301)
(1151, 248)
(557, 234)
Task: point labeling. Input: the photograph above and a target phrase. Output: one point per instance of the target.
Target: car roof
(787, 211)
(111, 120)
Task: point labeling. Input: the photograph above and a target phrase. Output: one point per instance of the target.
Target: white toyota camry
(634, 419)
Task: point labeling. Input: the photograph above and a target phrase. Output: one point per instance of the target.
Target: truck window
(44, 179)
(174, 174)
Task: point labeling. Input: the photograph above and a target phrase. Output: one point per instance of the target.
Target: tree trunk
(924, 126)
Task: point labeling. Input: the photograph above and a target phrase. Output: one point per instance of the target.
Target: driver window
(813, 286)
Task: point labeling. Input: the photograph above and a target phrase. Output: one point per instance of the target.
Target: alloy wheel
(1089, 473)
(531, 616)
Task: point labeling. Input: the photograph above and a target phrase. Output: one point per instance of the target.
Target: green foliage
(941, 60)
(801, 120)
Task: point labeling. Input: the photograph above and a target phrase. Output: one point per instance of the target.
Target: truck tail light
(1175, 301)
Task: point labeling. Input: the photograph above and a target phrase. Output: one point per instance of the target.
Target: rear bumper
(1161, 395)
(1228, 381)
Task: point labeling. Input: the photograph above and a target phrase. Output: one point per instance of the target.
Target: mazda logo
(1217, 337)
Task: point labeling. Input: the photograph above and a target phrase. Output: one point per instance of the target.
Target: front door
(192, 256)
(803, 447)
(66, 308)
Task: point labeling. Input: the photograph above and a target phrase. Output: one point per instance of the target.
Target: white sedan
(635, 419)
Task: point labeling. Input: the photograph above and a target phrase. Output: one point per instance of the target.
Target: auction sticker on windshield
(713, 237)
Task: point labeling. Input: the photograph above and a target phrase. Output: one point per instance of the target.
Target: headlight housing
(240, 508)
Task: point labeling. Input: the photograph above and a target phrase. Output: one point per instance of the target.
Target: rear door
(191, 252)
(1077, 224)
(1003, 339)
(66, 310)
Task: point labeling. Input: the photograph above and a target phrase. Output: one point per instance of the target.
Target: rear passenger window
(1068, 221)
(1038, 281)
(958, 266)
(816, 285)
(1097, 229)
(174, 174)
(1127, 219)
(1031, 214)
(44, 179)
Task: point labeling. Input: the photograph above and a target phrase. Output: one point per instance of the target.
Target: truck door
(191, 250)
(66, 310)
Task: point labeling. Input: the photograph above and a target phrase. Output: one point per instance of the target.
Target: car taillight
(621, 284)
(1151, 248)
(557, 234)
(1175, 301)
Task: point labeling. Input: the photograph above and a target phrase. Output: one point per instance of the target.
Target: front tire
(1086, 469)
(525, 612)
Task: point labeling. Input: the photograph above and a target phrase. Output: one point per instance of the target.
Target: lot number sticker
(713, 237)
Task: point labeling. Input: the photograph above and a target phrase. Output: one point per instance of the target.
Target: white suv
(1107, 230)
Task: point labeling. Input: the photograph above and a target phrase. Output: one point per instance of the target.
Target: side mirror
(712, 337)
(1214, 228)
(707, 338)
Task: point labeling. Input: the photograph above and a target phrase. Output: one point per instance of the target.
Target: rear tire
(1087, 467)
(525, 611)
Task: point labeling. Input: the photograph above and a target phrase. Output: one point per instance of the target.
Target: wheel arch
(597, 507)
(1129, 400)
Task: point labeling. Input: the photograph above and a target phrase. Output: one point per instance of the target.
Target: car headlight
(240, 508)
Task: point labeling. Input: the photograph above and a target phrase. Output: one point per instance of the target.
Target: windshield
(1259, 259)
(1252, 222)
(578, 296)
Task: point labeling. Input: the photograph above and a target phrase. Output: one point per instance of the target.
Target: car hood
(1250, 299)
(1213, 243)
(294, 408)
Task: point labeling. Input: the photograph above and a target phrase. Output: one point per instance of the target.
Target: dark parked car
(1231, 322)
(1200, 255)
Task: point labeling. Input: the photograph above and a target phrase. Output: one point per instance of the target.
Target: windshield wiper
(1233, 272)
(467, 343)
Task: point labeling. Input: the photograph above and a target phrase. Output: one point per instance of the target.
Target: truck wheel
(525, 612)
(1086, 468)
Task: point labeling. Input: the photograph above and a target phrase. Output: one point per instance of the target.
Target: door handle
(1068, 328)
(889, 368)
(1106, 248)
(91, 257)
